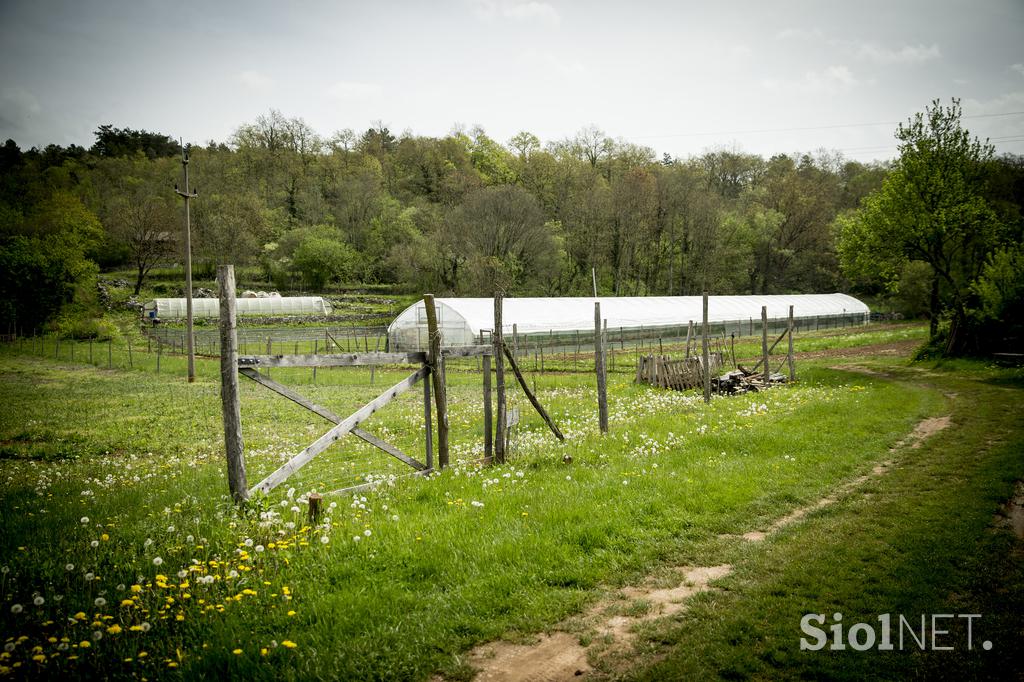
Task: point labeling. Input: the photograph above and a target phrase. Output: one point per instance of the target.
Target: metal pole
(186, 195)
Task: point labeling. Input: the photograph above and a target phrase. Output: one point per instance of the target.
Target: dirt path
(609, 626)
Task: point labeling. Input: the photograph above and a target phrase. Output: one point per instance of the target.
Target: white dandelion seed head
(38, 601)
(356, 538)
(90, 575)
(17, 608)
(367, 532)
(84, 519)
(99, 601)
(259, 548)
(94, 543)
(69, 567)
(97, 635)
(324, 539)
(145, 626)
(157, 561)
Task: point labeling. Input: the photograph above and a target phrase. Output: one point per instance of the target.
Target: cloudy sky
(679, 76)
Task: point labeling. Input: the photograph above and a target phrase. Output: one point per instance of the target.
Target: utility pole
(186, 195)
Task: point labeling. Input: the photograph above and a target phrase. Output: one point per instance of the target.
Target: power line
(807, 128)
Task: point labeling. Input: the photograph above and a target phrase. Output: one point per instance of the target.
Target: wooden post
(315, 508)
(792, 371)
(230, 402)
(488, 422)
(130, 363)
(706, 356)
(110, 353)
(316, 350)
(764, 343)
(689, 335)
(531, 395)
(602, 379)
(515, 339)
(501, 424)
(429, 427)
(159, 352)
(436, 363)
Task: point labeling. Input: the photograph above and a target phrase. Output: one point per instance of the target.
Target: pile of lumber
(743, 380)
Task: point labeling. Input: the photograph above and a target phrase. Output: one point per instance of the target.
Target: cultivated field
(122, 557)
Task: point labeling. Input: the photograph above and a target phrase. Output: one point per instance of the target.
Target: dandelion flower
(291, 613)
(69, 567)
(97, 635)
(114, 629)
(94, 543)
(17, 608)
(104, 537)
(100, 601)
(90, 575)
(324, 539)
(84, 519)
(157, 561)
(148, 542)
(145, 626)
(367, 532)
(259, 548)
(84, 644)
(356, 538)
(394, 517)
(38, 601)
(237, 652)
(289, 644)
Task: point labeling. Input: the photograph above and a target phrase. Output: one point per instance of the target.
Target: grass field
(122, 557)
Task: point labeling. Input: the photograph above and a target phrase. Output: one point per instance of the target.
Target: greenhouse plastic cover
(169, 308)
(462, 319)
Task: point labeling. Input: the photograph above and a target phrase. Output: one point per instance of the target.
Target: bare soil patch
(1012, 515)
(609, 625)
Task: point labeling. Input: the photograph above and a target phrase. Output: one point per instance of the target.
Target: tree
(930, 209)
(115, 142)
(321, 259)
(501, 236)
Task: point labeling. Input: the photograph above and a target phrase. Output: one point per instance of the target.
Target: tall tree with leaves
(932, 209)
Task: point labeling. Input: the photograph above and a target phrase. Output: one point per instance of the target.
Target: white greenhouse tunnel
(174, 308)
(461, 320)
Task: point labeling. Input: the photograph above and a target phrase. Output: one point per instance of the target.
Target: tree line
(461, 214)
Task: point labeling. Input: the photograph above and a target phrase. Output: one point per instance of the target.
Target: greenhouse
(464, 321)
(174, 308)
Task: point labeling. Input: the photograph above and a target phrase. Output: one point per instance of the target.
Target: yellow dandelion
(84, 644)
(291, 613)
(114, 629)
(264, 651)
(237, 652)
(136, 588)
(39, 658)
(289, 644)
(81, 616)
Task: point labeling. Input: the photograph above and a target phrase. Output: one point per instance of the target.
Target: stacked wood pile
(664, 372)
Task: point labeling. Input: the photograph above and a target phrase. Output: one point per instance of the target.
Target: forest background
(935, 233)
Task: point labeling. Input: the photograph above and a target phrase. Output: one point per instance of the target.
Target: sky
(682, 77)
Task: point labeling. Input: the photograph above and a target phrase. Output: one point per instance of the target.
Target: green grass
(465, 557)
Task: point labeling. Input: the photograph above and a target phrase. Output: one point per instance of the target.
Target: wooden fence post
(764, 343)
(429, 431)
(705, 352)
(792, 371)
(488, 422)
(436, 362)
(602, 379)
(499, 380)
(230, 402)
